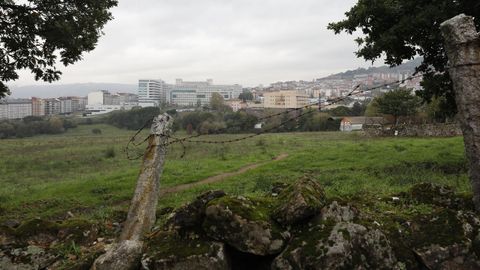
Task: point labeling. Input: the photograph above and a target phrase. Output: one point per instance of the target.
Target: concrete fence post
(126, 253)
(462, 43)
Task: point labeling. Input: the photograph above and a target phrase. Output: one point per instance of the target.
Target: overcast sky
(249, 42)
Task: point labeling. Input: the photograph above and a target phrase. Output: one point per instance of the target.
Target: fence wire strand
(355, 91)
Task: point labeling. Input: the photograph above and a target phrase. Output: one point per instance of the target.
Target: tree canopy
(35, 34)
(399, 102)
(403, 29)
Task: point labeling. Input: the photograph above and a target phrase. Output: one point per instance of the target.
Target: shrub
(96, 131)
(109, 152)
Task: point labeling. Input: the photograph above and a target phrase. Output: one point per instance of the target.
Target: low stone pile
(298, 227)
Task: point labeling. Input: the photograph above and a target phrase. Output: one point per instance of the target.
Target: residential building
(52, 106)
(285, 99)
(38, 107)
(15, 108)
(66, 105)
(236, 105)
(101, 97)
(151, 93)
(352, 123)
(79, 103)
(101, 102)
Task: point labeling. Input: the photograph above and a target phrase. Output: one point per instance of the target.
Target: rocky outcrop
(457, 256)
(301, 200)
(427, 227)
(191, 215)
(244, 224)
(28, 258)
(168, 251)
(431, 193)
(342, 245)
(338, 213)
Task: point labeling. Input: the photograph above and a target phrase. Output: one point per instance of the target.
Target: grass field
(89, 175)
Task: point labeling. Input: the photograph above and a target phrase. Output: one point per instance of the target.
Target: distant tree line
(132, 119)
(34, 125)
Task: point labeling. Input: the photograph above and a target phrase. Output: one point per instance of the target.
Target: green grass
(46, 176)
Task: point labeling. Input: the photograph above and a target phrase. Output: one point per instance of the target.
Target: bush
(33, 125)
(133, 119)
(96, 131)
(109, 152)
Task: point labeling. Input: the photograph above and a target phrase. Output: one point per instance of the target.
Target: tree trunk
(126, 253)
(463, 50)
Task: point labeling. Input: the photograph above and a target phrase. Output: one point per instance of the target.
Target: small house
(352, 123)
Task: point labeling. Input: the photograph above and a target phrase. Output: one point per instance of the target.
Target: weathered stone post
(463, 50)
(126, 253)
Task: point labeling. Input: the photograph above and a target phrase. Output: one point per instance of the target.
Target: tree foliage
(247, 95)
(133, 119)
(34, 125)
(399, 102)
(403, 29)
(35, 34)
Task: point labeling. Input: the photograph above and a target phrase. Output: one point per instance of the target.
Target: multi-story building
(99, 98)
(103, 102)
(66, 105)
(15, 108)
(52, 106)
(79, 103)
(288, 99)
(185, 93)
(151, 93)
(38, 106)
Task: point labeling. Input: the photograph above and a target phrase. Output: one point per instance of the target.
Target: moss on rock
(244, 224)
(168, 250)
(299, 201)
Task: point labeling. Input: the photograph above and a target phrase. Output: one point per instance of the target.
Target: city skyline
(243, 42)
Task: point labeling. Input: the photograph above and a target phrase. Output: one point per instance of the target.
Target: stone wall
(424, 130)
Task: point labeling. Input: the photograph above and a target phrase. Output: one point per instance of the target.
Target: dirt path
(219, 177)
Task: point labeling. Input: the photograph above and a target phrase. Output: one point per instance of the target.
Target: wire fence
(305, 110)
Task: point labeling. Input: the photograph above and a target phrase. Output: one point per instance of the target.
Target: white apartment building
(101, 102)
(52, 106)
(15, 108)
(151, 93)
(186, 93)
(97, 97)
(289, 99)
(183, 93)
(66, 105)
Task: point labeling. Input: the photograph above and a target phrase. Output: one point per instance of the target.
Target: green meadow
(89, 175)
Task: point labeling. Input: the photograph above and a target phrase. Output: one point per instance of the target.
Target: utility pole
(126, 253)
(462, 42)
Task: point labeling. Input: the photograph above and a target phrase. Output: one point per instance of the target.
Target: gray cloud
(232, 41)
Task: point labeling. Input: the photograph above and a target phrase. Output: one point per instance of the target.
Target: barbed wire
(355, 91)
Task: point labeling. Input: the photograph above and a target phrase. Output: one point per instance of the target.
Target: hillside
(77, 89)
(408, 66)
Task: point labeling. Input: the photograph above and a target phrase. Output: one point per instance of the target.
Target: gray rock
(244, 224)
(124, 255)
(191, 215)
(301, 200)
(339, 213)
(173, 252)
(342, 245)
(27, 258)
(456, 256)
(432, 193)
